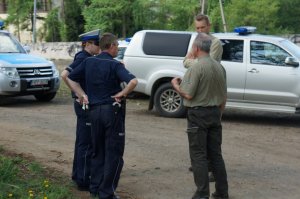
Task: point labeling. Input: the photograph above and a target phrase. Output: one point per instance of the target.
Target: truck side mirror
(291, 61)
(27, 49)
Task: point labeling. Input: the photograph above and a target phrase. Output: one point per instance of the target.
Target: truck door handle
(253, 70)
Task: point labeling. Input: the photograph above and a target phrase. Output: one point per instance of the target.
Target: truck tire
(45, 97)
(168, 102)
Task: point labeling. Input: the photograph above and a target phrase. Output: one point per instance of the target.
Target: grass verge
(23, 178)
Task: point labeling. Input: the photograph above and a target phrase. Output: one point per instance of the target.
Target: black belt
(202, 107)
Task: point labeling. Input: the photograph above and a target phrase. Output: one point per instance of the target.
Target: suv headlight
(55, 72)
(9, 72)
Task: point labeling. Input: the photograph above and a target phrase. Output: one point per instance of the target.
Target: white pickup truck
(263, 72)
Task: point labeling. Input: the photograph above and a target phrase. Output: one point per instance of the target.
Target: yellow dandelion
(45, 197)
(10, 195)
(46, 185)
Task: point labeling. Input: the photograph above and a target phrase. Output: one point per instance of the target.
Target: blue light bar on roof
(128, 39)
(243, 30)
(1, 24)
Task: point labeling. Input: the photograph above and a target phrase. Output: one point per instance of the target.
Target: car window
(267, 53)
(8, 44)
(166, 44)
(121, 51)
(233, 50)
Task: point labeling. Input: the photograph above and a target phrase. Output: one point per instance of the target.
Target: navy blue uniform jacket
(103, 76)
(78, 59)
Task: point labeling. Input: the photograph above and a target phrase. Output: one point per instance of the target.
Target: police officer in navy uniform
(104, 97)
(82, 151)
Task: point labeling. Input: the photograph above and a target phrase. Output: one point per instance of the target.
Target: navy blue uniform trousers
(82, 154)
(108, 141)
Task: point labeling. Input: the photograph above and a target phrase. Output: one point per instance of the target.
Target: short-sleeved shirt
(103, 76)
(205, 81)
(78, 59)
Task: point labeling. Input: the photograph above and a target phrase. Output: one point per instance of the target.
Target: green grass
(63, 90)
(21, 178)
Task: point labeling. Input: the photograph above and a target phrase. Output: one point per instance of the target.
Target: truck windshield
(9, 44)
(292, 47)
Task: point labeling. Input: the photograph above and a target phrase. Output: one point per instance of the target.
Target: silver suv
(25, 74)
(262, 71)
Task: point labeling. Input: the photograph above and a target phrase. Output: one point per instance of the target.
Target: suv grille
(36, 72)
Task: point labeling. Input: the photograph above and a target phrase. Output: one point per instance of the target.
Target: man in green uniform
(202, 24)
(204, 90)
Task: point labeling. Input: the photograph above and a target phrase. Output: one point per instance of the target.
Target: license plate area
(39, 82)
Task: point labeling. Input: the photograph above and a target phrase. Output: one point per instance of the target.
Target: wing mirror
(291, 61)
(27, 49)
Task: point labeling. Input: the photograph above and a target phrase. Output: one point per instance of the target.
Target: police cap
(92, 35)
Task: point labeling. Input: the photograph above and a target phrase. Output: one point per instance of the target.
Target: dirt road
(261, 151)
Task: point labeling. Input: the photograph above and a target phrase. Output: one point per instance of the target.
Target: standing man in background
(204, 91)
(82, 151)
(104, 95)
(202, 25)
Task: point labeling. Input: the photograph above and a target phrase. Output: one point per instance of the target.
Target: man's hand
(128, 89)
(176, 81)
(118, 97)
(84, 99)
(190, 55)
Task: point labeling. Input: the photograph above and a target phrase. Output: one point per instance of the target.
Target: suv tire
(168, 102)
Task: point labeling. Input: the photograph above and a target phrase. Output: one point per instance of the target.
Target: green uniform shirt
(205, 81)
(216, 49)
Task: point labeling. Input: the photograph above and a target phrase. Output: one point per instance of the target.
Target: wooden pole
(223, 16)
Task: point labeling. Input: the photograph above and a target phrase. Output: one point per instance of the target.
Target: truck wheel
(168, 102)
(45, 97)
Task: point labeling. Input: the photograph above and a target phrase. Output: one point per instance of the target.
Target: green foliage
(266, 15)
(8, 171)
(20, 14)
(253, 13)
(289, 16)
(73, 20)
(52, 26)
(22, 179)
(125, 17)
(109, 16)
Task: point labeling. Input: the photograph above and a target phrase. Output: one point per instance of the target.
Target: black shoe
(200, 198)
(211, 177)
(190, 168)
(219, 196)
